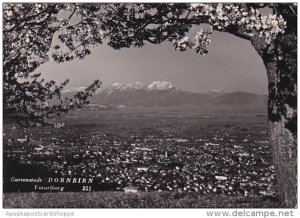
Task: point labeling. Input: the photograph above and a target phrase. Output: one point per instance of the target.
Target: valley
(152, 151)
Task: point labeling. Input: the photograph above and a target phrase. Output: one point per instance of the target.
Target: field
(198, 158)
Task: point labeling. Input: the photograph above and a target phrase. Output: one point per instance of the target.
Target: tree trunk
(280, 60)
(282, 113)
(285, 162)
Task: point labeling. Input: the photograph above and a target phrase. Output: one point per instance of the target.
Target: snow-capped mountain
(161, 85)
(159, 93)
(157, 85)
(165, 94)
(123, 87)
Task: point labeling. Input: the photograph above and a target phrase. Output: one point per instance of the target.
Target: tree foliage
(28, 31)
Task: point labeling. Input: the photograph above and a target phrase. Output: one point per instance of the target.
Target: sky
(232, 64)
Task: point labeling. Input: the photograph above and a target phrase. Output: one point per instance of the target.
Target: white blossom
(221, 16)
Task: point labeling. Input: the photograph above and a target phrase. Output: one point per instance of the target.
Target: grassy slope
(140, 200)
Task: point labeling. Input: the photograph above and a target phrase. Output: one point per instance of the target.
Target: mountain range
(165, 94)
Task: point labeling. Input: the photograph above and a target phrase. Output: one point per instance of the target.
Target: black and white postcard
(149, 105)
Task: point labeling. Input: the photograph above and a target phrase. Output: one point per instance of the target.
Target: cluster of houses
(219, 163)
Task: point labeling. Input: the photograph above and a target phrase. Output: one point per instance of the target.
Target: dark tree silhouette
(28, 30)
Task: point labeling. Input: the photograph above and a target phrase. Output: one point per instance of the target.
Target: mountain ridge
(165, 94)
